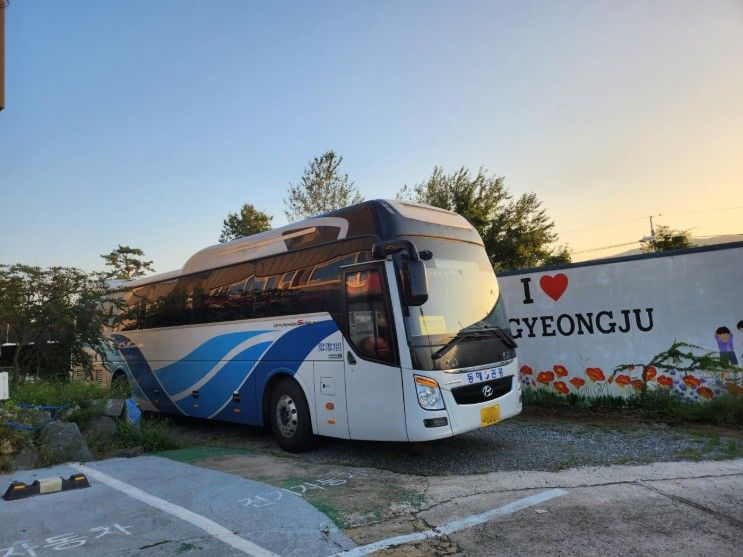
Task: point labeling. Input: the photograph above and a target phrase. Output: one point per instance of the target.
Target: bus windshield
(462, 291)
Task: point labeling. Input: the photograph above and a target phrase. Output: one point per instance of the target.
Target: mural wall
(576, 323)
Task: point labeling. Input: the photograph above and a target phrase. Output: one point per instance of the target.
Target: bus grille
(472, 394)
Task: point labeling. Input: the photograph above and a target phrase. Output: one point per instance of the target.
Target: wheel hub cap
(286, 416)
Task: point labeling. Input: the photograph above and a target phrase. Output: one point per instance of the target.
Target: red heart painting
(555, 286)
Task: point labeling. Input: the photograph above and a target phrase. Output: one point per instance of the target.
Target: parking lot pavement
(692, 508)
(657, 510)
(156, 506)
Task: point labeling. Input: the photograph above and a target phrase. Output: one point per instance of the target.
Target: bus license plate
(490, 415)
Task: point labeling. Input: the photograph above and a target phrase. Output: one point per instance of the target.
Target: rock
(26, 459)
(66, 413)
(34, 416)
(113, 407)
(62, 441)
(6, 447)
(130, 452)
(101, 431)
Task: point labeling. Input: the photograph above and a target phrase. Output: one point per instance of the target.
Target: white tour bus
(380, 321)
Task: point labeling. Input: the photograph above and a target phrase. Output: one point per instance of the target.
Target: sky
(144, 123)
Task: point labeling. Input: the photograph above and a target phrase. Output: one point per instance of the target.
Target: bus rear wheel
(289, 415)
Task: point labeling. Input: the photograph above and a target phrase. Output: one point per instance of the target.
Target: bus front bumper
(427, 425)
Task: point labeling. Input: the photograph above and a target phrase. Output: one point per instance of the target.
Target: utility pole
(652, 230)
(3, 5)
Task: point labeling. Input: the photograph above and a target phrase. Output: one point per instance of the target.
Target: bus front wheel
(289, 415)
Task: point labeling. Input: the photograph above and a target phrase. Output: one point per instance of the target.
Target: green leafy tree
(666, 239)
(61, 309)
(126, 263)
(517, 233)
(322, 188)
(245, 223)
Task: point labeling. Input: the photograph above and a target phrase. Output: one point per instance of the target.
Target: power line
(607, 247)
(701, 211)
(643, 218)
(639, 241)
(603, 225)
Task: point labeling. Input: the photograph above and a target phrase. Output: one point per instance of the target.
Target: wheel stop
(21, 490)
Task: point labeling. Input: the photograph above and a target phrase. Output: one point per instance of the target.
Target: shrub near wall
(597, 329)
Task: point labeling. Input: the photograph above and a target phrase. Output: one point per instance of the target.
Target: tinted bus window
(239, 292)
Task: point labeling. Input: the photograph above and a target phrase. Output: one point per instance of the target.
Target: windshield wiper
(478, 332)
(504, 335)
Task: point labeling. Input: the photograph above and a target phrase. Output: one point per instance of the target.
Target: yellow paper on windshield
(432, 324)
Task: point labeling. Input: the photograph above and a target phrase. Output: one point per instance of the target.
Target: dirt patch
(350, 496)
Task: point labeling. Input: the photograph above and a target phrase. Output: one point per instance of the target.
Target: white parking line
(456, 525)
(209, 526)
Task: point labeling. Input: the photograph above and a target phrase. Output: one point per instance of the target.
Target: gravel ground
(517, 444)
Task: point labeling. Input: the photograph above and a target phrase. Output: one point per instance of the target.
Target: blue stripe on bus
(144, 376)
(218, 390)
(285, 355)
(182, 374)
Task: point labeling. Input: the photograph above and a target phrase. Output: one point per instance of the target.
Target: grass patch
(724, 410)
(331, 512)
(690, 454)
(733, 449)
(62, 393)
(152, 435)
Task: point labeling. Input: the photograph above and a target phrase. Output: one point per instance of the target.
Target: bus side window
(368, 321)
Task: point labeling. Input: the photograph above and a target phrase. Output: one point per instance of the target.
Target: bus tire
(289, 415)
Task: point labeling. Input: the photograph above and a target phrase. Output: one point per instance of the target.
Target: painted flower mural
(623, 380)
(706, 392)
(665, 372)
(649, 373)
(561, 387)
(665, 381)
(560, 371)
(577, 382)
(546, 377)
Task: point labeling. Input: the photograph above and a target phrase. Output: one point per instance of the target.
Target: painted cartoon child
(725, 344)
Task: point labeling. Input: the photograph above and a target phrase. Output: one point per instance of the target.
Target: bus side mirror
(416, 283)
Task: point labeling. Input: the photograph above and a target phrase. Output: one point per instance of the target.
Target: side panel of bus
(221, 371)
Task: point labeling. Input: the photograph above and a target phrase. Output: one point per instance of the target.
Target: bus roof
(382, 218)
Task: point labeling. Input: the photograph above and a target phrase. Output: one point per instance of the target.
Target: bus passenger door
(374, 397)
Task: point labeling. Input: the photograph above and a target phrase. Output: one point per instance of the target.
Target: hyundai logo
(487, 391)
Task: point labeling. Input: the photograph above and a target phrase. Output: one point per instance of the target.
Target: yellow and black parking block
(20, 490)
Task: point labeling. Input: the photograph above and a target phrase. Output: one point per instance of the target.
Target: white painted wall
(637, 307)
(4, 390)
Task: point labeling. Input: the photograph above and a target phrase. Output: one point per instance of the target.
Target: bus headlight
(429, 394)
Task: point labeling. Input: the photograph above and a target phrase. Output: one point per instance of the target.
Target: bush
(153, 435)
